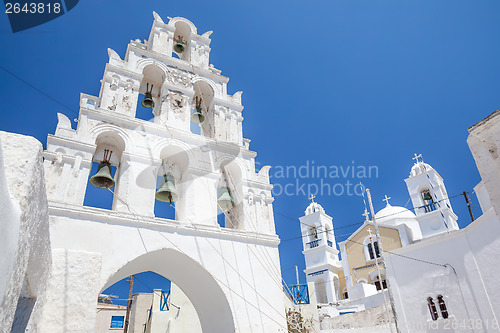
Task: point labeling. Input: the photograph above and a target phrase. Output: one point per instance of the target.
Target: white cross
(386, 199)
(366, 215)
(417, 157)
(370, 232)
(312, 198)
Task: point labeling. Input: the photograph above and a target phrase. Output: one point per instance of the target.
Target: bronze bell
(225, 201)
(179, 47)
(427, 196)
(103, 178)
(197, 116)
(179, 44)
(167, 191)
(148, 102)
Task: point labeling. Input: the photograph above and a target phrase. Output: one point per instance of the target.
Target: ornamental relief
(179, 77)
(177, 102)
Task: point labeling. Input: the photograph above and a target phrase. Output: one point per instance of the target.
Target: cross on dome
(386, 200)
(312, 197)
(417, 157)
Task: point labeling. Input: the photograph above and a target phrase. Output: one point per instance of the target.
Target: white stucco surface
(24, 230)
(462, 265)
(72, 289)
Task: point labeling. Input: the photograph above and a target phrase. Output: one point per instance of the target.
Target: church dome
(313, 208)
(393, 212)
(419, 168)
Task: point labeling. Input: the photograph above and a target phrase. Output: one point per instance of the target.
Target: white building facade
(230, 273)
(448, 282)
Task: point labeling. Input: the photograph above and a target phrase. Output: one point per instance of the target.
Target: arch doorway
(193, 280)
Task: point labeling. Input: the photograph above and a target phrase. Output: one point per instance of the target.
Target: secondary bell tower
(430, 199)
(163, 132)
(321, 254)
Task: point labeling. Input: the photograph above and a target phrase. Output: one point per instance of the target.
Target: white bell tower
(430, 199)
(163, 113)
(320, 252)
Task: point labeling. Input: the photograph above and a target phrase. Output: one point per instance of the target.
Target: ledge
(99, 215)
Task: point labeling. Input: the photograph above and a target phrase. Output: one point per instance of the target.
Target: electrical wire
(220, 281)
(40, 91)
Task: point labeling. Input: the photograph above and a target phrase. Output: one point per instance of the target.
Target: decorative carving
(115, 81)
(127, 105)
(129, 85)
(113, 106)
(179, 77)
(177, 102)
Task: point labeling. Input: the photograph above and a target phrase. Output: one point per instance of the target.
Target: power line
(40, 91)
(353, 224)
(137, 216)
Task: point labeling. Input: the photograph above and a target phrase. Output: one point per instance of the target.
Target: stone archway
(199, 286)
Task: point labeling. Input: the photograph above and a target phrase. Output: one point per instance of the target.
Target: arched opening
(329, 235)
(371, 248)
(149, 104)
(104, 173)
(345, 294)
(313, 233)
(203, 98)
(157, 305)
(320, 288)
(442, 306)
(378, 285)
(199, 286)
(181, 41)
(432, 308)
(170, 183)
(428, 200)
(230, 196)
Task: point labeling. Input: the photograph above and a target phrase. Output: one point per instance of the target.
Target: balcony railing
(430, 207)
(314, 243)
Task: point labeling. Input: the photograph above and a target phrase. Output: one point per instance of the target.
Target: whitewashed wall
(24, 232)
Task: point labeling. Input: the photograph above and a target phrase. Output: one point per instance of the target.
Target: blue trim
(342, 313)
(300, 293)
(117, 321)
(164, 300)
(314, 243)
(430, 207)
(318, 272)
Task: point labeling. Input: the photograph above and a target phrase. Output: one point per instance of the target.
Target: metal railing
(314, 243)
(430, 207)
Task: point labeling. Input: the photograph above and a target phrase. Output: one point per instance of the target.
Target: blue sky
(331, 81)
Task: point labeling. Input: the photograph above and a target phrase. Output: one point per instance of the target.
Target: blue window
(117, 322)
